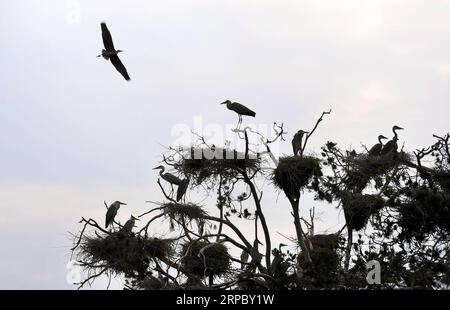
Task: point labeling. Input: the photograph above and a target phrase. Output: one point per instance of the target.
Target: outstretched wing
(119, 66)
(107, 39)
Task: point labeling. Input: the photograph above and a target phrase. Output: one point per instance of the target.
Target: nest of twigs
(127, 254)
(206, 164)
(365, 167)
(295, 172)
(205, 259)
(358, 208)
(372, 166)
(424, 211)
(184, 213)
(158, 248)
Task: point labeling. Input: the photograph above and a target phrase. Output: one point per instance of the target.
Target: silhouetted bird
(391, 146)
(129, 225)
(111, 53)
(244, 258)
(182, 188)
(256, 256)
(297, 141)
(169, 177)
(376, 149)
(112, 212)
(239, 109)
(277, 258)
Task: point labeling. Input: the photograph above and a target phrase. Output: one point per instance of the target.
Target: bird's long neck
(379, 140)
(161, 171)
(395, 134)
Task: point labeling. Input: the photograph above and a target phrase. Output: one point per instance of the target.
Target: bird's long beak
(98, 55)
(223, 102)
(260, 242)
(123, 203)
(156, 168)
(400, 128)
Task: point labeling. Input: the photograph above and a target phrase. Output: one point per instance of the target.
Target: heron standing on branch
(376, 149)
(244, 258)
(277, 258)
(112, 212)
(240, 109)
(297, 142)
(169, 177)
(182, 188)
(391, 146)
(111, 53)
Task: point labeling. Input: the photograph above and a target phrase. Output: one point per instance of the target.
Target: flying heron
(169, 177)
(376, 149)
(391, 145)
(297, 141)
(182, 188)
(112, 212)
(129, 225)
(109, 52)
(239, 109)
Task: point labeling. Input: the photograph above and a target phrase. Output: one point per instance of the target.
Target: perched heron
(112, 212)
(182, 188)
(277, 257)
(297, 142)
(129, 225)
(244, 258)
(256, 256)
(391, 146)
(169, 177)
(109, 52)
(376, 149)
(239, 109)
(254, 253)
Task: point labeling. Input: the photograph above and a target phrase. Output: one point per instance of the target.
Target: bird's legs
(239, 122)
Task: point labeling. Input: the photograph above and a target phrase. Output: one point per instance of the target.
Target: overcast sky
(74, 133)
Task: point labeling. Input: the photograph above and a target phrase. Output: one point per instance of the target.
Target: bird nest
(205, 164)
(184, 212)
(358, 208)
(371, 166)
(294, 172)
(424, 211)
(127, 254)
(205, 259)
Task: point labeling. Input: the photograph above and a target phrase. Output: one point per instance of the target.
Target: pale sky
(73, 133)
